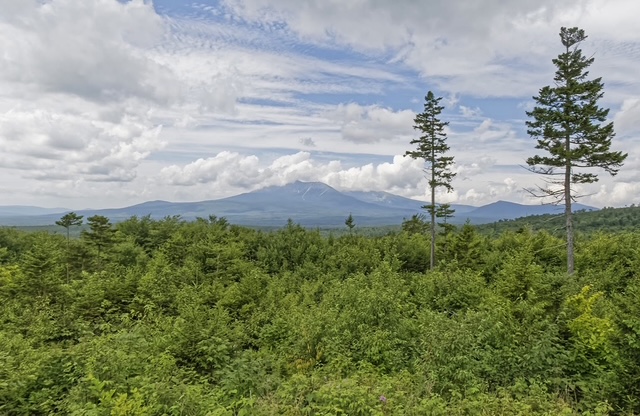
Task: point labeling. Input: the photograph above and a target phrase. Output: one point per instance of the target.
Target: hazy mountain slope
(27, 210)
(502, 210)
(394, 201)
(308, 203)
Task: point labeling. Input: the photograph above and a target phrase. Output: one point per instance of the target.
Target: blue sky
(110, 103)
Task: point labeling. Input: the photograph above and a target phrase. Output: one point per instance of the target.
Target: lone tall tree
(67, 221)
(567, 125)
(431, 146)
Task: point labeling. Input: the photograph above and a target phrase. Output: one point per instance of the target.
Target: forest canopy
(170, 317)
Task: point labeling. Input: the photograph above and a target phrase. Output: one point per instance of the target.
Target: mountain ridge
(308, 203)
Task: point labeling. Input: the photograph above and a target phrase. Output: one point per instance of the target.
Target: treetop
(571, 36)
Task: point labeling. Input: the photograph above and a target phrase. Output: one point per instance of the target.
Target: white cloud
(469, 112)
(618, 194)
(242, 85)
(402, 176)
(489, 131)
(484, 48)
(47, 145)
(232, 170)
(465, 46)
(627, 120)
(226, 168)
(92, 49)
(469, 171)
(506, 187)
(371, 124)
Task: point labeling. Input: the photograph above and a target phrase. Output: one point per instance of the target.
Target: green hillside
(605, 220)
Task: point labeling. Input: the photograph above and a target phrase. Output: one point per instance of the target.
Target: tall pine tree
(432, 147)
(567, 125)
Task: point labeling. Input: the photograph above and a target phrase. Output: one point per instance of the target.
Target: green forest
(607, 220)
(167, 317)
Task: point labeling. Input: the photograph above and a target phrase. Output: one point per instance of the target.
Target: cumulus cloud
(78, 85)
(233, 170)
(228, 168)
(504, 188)
(627, 120)
(92, 49)
(618, 194)
(401, 175)
(371, 124)
(467, 171)
(48, 145)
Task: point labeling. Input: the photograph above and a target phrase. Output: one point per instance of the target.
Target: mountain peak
(297, 187)
(314, 184)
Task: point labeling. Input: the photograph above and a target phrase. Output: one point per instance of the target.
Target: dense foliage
(177, 318)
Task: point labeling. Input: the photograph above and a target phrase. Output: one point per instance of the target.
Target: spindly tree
(432, 147)
(567, 124)
(67, 221)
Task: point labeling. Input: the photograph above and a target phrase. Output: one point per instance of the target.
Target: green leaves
(566, 123)
(101, 233)
(69, 220)
(432, 147)
(566, 119)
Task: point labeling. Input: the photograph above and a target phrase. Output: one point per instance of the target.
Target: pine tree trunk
(567, 185)
(433, 227)
(67, 257)
(433, 205)
(568, 212)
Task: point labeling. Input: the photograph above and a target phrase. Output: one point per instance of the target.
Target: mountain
(311, 204)
(394, 201)
(307, 203)
(504, 210)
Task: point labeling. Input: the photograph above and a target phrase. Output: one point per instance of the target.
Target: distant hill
(311, 204)
(504, 210)
(27, 210)
(606, 219)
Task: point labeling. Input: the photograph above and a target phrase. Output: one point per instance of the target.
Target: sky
(107, 103)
